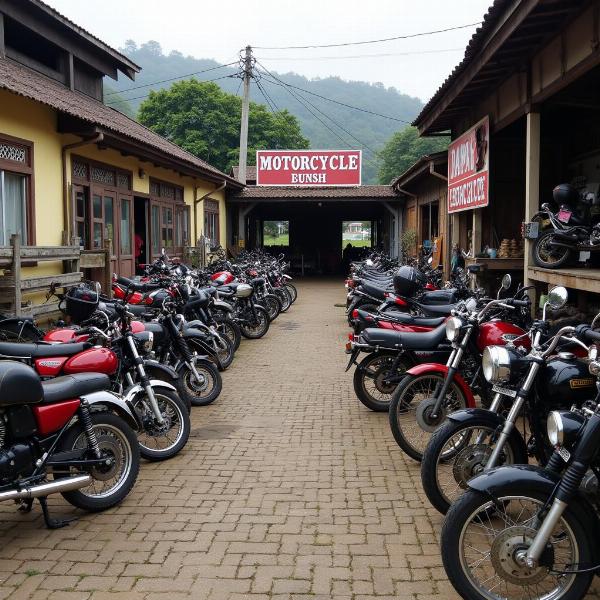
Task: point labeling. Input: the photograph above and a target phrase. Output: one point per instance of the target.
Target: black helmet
(81, 301)
(565, 193)
(408, 281)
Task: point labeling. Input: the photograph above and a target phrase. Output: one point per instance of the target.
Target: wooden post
(15, 242)
(532, 177)
(107, 279)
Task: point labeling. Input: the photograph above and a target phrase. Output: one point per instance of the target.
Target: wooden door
(125, 260)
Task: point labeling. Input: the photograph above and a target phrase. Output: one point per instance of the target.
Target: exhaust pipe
(67, 484)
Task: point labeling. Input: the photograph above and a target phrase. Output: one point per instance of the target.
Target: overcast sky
(209, 29)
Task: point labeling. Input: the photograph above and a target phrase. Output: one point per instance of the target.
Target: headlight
(496, 364)
(471, 304)
(453, 325)
(554, 426)
(594, 368)
(149, 343)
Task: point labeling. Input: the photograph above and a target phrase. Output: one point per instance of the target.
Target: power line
(264, 95)
(137, 87)
(148, 94)
(377, 55)
(390, 39)
(267, 97)
(331, 99)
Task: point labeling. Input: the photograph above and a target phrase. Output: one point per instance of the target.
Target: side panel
(50, 367)
(51, 417)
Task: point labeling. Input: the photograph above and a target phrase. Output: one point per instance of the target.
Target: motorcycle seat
(406, 319)
(137, 285)
(257, 282)
(70, 387)
(15, 349)
(438, 297)
(436, 310)
(374, 290)
(387, 338)
(138, 309)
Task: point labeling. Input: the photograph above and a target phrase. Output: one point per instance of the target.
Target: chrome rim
(494, 532)
(154, 436)
(114, 444)
(375, 372)
(548, 254)
(199, 388)
(417, 392)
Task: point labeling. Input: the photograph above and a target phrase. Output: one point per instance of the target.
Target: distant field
(357, 243)
(281, 240)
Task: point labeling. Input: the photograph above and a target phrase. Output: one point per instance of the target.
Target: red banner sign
(468, 168)
(308, 167)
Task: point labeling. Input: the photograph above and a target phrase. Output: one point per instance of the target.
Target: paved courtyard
(288, 489)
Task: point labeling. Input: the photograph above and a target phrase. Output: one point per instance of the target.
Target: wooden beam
(532, 180)
(2, 53)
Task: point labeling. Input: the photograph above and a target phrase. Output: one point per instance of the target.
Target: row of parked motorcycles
(82, 403)
(503, 412)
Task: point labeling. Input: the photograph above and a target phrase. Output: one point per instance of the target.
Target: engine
(17, 459)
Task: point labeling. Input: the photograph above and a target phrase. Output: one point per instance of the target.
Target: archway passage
(307, 224)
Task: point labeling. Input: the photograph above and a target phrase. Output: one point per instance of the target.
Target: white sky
(209, 29)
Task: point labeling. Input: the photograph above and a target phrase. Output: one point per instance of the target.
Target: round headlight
(555, 429)
(495, 363)
(594, 368)
(453, 325)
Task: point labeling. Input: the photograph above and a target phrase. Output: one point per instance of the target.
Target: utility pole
(247, 66)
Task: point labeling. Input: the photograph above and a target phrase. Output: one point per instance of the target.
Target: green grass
(357, 243)
(281, 240)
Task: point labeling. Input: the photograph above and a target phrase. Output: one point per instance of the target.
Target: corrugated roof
(250, 173)
(285, 192)
(30, 84)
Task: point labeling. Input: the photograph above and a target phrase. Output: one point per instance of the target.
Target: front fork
(145, 380)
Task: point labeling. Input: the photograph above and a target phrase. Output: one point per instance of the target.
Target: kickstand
(50, 522)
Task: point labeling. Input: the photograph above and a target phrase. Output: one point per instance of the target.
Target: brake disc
(470, 461)
(423, 415)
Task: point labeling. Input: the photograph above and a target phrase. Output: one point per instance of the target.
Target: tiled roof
(250, 173)
(285, 192)
(30, 84)
(437, 157)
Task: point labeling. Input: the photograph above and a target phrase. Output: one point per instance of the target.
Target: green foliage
(371, 130)
(205, 120)
(403, 149)
(408, 242)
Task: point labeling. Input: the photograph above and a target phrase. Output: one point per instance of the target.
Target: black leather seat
(436, 310)
(139, 310)
(73, 386)
(41, 350)
(406, 319)
(19, 384)
(137, 285)
(448, 296)
(374, 290)
(387, 338)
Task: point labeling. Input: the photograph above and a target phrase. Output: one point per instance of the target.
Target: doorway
(140, 221)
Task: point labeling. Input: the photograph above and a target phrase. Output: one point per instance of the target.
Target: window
(125, 232)
(16, 190)
(183, 226)
(211, 221)
(357, 233)
(155, 229)
(169, 217)
(276, 233)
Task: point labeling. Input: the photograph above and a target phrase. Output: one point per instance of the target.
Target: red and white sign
(468, 168)
(308, 167)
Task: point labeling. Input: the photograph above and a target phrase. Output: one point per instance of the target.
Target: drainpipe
(198, 200)
(66, 212)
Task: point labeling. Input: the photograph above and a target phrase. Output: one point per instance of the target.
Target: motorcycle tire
(441, 465)
(472, 507)
(372, 368)
(254, 332)
(206, 392)
(284, 297)
(273, 305)
(540, 253)
(225, 352)
(291, 288)
(403, 411)
(176, 383)
(105, 424)
(230, 329)
(368, 306)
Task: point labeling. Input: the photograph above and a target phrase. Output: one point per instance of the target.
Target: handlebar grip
(524, 303)
(592, 336)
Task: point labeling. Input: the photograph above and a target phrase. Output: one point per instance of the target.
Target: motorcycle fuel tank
(500, 333)
(565, 381)
(222, 277)
(94, 360)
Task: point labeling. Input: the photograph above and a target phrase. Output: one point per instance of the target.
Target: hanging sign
(307, 168)
(468, 168)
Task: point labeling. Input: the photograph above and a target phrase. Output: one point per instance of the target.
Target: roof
(360, 192)
(250, 173)
(511, 31)
(418, 167)
(28, 83)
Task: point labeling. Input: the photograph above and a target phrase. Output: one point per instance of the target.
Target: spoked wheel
(159, 442)
(255, 326)
(231, 330)
(112, 481)
(291, 288)
(547, 256)
(205, 390)
(458, 451)
(273, 305)
(375, 382)
(411, 408)
(483, 543)
(284, 297)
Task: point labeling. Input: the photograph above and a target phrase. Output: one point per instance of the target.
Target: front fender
(116, 403)
(133, 390)
(481, 414)
(154, 365)
(424, 368)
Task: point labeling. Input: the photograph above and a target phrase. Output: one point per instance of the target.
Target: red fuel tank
(50, 367)
(499, 333)
(64, 335)
(222, 277)
(94, 360)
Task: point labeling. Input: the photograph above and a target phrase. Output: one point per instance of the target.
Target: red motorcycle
(72, 428)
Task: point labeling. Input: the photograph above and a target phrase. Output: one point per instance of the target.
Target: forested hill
(325, 124)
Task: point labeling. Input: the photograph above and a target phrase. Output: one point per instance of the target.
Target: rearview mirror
(506, 281)
(557, 297)
(429, 260)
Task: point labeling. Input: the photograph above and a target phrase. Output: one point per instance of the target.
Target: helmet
(81, 301)
(408, 281)
(565, 193)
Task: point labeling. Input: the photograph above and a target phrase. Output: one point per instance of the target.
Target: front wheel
(547, 256)
(111, 482)
(482, 539)
(284, 297)
(458, 451)
(291, 288)
(273, 305)
(159, 442)
(411, 406)
(230, 329)
(205, 390)
(257, 326)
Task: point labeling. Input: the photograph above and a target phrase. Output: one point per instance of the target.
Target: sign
(307, 168)
(468, 168)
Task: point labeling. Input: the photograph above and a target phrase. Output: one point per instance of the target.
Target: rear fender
(114, 403)
(443, 369)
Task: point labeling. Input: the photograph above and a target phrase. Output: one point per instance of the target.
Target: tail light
(350, 283)
(350, 336)
(149, 300)
(349, 346)
(400, 302)
(355, 313)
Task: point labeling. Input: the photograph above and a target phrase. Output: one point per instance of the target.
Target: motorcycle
(71, 428)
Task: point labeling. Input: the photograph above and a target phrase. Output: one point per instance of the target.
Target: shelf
(497, 264)
(575, 278)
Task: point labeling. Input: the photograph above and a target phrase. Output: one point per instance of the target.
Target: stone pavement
(289, 489)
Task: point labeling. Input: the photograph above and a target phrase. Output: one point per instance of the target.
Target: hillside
(345, 123)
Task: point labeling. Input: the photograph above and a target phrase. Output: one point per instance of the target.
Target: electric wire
(377, 55)
(266, 96)
(389, 39)
(137, 87)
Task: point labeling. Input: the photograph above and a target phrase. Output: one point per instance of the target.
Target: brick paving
(289, 489)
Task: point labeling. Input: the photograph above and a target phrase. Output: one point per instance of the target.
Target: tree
(403, 149)
(201, 118)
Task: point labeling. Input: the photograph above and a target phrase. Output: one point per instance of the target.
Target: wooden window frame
(213, 207)
(26, 169)
(176, 203)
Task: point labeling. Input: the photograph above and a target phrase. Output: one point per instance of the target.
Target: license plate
(564, 453)
(504, 391)
(564, 216)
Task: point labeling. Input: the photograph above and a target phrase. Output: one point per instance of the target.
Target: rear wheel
(291, 288)
(256, 326)
(547, 256)
(207, 389)
(284, 297)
